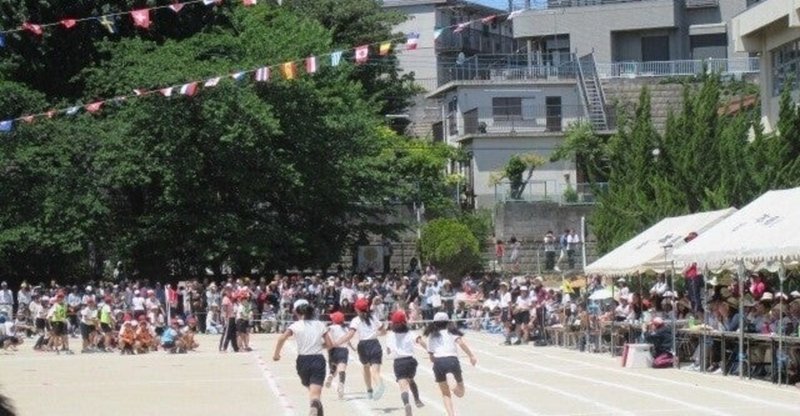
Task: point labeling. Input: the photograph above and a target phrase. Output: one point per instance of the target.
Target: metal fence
(520, 118)
(550, 191)
(690, 67)
(503, 67)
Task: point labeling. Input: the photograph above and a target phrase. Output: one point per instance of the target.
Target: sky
(503, 4)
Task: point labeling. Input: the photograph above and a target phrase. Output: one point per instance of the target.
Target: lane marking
(272, 383)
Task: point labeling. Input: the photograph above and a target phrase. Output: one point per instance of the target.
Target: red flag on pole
(141, 18)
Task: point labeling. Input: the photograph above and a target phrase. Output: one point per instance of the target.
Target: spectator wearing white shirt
(522, 314)
(573, 242)
(137, 304)
(6, 300)
(24, 297)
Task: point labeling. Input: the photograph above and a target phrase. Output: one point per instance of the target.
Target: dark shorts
(40, 324)
(337, 356)
(405, 368)
(59, 328)
(106, 328)
(242, 325)
(505, 315)
(444, 365)
(169, 345)
(370, 352)
(86, 330)
(523, 317)
(311, 369)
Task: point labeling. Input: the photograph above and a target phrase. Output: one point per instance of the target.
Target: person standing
(563, 245)
(573, 242)
(229, 317)
(549, 251)
(23, 297)
(387, 256)
(499, 253)
(6, 300)
(514, 257)
(312, 338)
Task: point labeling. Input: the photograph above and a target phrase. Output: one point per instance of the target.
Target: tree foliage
(451, 246)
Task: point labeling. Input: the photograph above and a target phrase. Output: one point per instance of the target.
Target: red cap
(362, 305)
(399, 317)
(142, 318)
(337, 318)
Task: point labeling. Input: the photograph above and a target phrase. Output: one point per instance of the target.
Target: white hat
(89, 288)
(136, 292)
(767, 296)
(795, 294)
(621, 280)
(669, 294)
(441, 317)
(45, 298)
(523, 288)
(134, 323)
(298, 303)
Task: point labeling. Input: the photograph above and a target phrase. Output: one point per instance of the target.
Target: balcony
(474, 41)
(515, 120)
(691, 67)
(560, 4)
(701, 4)
(490, 68)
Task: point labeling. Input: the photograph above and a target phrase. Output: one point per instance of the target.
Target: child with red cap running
(400, 346)
(337, 356)
(370, 353)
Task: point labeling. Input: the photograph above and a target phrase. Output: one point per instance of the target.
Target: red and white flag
(262, 74)
(412, 41)
(362, 54)
(68, 23)
(33, 28)
(189, 89)
(141, 18)
(176, 7)
(167, 92)
(249, 2)
(212, 82)
(311, 64)
(488, 19)
(94, 107)
(461, 27)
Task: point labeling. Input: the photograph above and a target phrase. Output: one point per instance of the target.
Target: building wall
(422, 61)
(531, 220)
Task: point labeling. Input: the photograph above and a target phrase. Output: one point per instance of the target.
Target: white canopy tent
(646, 252)
(759, 235)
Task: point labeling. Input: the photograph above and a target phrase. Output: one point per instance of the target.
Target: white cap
(89, 288)
(441, 317)
(298, 303)
(136, 292)
(523, 288)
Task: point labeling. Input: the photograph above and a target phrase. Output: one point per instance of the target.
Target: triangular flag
(50, 113)
(33, 28)
(141, 18)
(311, 64)
(238, 76)
(28, 119)
(209, 2)
(94, 107)
(167, 92)
(249, 2)
(384, 48)
(461, 26)
(288, 70)
(108, 24)
(212, 82)
(2, 41)
(176, 7)
(72, 110)
(488, 19)
(336, 58)
(138, 91)
(362, 54)
(412, 41)
(69, 23)
(514, 14)
(6, 125)
(262, 74)
(437, 33)
(189, 89)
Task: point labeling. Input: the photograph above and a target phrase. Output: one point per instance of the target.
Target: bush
(451, 247)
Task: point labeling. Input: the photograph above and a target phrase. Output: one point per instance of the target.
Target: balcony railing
(558, 4)
(730, 66)
(514, 120)
(550, 191)
(474, 40)
(506, 67)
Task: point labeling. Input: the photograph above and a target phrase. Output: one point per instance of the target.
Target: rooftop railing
(559, 4)
(730, 66)
(503, 68)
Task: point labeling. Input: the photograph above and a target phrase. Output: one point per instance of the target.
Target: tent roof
(645, 252)
(760, 234)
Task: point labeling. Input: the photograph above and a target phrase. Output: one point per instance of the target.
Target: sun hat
(337, 318)
(298, 303)
(441, 317)
(399, 317)
(767, 296)
(362, 305)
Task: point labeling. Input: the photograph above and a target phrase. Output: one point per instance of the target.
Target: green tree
(451, 246)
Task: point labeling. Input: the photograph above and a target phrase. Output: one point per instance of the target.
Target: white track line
(618, 386)
(272, 383)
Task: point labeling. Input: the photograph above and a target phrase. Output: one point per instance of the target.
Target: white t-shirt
(443, 345)
(401, 345)
(366, 331)
(152, 303)
(337, 332)
(309, 336)
(37, 310)
(88, 315)
(524, 303)
(505, 300)
(138, 303)
(491, 304)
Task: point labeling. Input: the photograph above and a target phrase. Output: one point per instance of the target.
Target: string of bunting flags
(288, 70)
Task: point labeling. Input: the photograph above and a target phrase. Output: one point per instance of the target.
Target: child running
(443, 340)
(312, 338)
(337, 356)
(400, 346)
(370, 352)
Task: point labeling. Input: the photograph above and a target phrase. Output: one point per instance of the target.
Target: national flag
(176, 7)
(72, 110)
(94, 107)
(262, 74)
(311, 64)
(238, 76)
(461, 26)
(33, 28)
(138, 92)
(362, 54)
(141, 18)
(108, 24)
(68, 23)
(384, 48)
(189, 89)
(249, 2)
(437, 33)
(412, 41)
(488, 19)
(336, 58)
(212, 82)
(6, 125)
(27, 119)
(167, 92)
(288, 70)
(50, 113)
(514, 14)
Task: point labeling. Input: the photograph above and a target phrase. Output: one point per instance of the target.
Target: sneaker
(408, 409)
(379, 390)
(369, 394)
(340, 391)
(718, 371)
(419, 404)
(328, 381)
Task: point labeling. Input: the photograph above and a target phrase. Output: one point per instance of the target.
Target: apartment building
(770, 29)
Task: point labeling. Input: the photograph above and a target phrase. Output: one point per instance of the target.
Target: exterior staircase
(593, 96)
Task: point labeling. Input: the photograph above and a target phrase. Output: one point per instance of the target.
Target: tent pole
(706, 273)
(675, 362)
(583, 241)
(779, 359)
(741, 273)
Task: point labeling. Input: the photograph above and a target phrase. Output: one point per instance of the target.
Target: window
(785, 64)
(506, 108)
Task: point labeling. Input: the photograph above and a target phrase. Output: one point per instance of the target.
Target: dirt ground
(518, 380)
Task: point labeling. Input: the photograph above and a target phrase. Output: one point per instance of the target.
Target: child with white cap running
(443, 338)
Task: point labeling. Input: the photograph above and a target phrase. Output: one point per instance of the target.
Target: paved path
(521, 380)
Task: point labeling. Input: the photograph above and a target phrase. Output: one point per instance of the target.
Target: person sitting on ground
(145, 341)
(8, 335)
(188, 332)
(170, 339)
(127, 337)
(660, 336)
